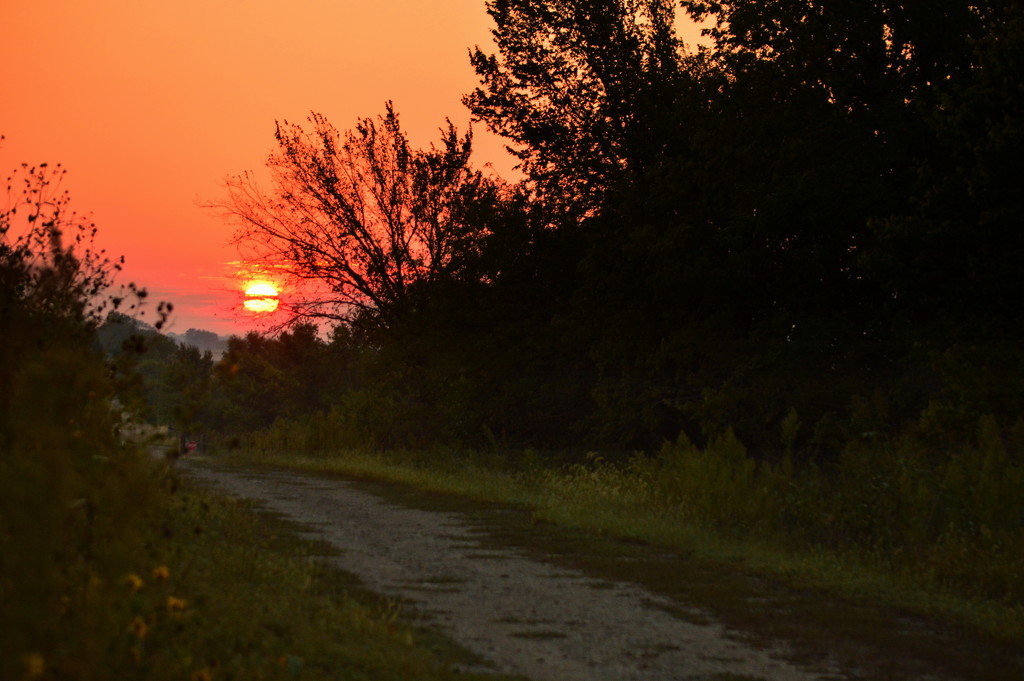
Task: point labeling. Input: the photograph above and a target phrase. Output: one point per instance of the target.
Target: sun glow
(260, 297)
(261, 288)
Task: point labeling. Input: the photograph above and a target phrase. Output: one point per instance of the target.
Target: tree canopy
(578, 87)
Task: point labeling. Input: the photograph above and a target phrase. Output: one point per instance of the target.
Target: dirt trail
(522, 614)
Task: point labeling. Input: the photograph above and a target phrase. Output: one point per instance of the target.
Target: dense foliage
(814, 212)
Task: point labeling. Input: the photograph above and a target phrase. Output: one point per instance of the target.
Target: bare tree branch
(360, 212)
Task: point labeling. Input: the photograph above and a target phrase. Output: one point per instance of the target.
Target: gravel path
(523, 616)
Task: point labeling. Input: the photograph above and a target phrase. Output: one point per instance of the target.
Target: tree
(580, 88)
(185, 387)
(361, 215)
(201, 338)
(821, 126)
(952, 257)
(248, 384)
(740, 193)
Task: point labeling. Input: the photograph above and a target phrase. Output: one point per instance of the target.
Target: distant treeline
(807, 232)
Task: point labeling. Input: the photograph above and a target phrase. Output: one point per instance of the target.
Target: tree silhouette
(579, 88)
(361, 214)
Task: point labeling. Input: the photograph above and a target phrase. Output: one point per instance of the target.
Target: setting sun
(261, 289)
(261, 297)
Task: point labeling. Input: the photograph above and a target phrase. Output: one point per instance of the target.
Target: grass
(262, 609)
(616, 501)
(200, 587)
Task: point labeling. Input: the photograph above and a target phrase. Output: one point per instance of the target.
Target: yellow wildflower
(162, 573)
(139, 627)
(201, 675)
(35, 665)
(134, 581)
(175, 604)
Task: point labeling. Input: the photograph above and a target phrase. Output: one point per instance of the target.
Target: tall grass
(955, 525)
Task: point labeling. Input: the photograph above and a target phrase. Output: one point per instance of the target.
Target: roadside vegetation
(110, 566)
(941, 541)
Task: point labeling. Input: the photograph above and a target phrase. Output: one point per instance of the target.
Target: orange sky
(150, 105)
